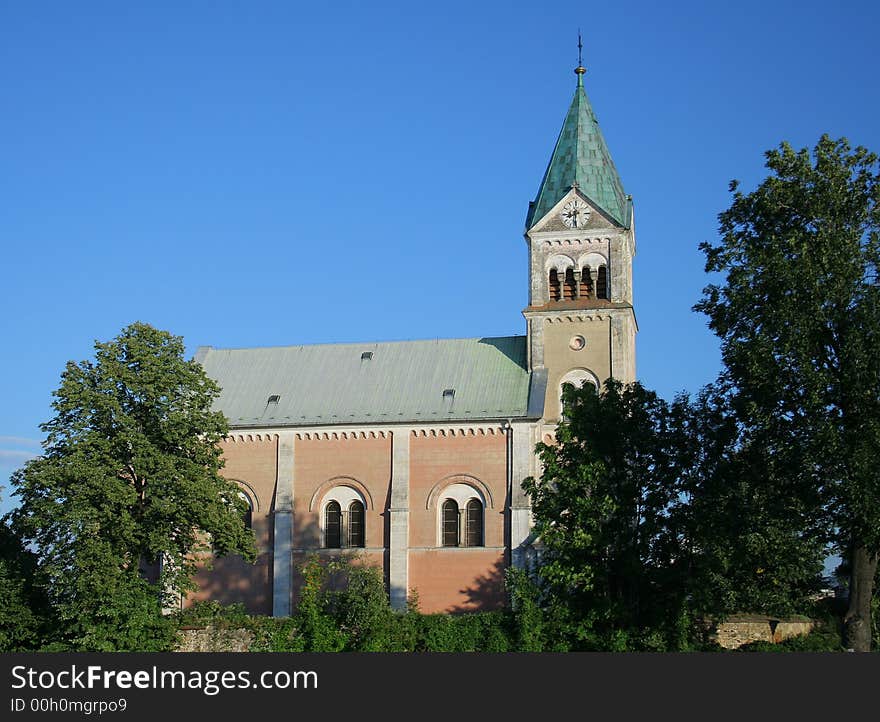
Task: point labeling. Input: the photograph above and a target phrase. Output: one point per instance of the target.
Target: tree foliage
(652, 515)
(128, 491)
(343, 607)
(750, 544)
(604, 508)
(22, 605)
(798, 315)
(359, 605)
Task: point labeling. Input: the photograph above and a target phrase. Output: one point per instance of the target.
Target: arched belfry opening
(555, 288)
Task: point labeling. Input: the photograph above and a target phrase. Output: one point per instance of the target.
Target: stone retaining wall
(214, 639)
(733, 633)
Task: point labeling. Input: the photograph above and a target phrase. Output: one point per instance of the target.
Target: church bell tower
(581, 325)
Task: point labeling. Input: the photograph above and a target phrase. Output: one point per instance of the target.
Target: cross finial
(580, 69)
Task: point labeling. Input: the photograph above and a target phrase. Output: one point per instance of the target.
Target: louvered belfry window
(568, 291)
(555, 290)
(474, 512)
(586, 283)
(356, 524)
(602, 283)
(333, 525)
(450, 523)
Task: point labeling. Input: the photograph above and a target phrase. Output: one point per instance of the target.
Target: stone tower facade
(581, 326)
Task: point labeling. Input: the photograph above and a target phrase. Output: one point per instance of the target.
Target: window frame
(357, 539)
(326, 525)
(449, 531)
(461, 494)
(480, 535)
(344, 495)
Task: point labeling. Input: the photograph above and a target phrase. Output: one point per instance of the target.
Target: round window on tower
(577, 343)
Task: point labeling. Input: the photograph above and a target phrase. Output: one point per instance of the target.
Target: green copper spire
(581, 159)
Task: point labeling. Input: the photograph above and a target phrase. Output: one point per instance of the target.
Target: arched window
(586, 283)
(602, 283)
(450, 523)
(333, 525)
(555, 290)
(356, 524)
(568, 292)
(460, 508)
(576, 378)
(248, 516)
(344, 514)
(474, 524)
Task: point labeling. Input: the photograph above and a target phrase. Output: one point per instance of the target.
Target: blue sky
(274, 173)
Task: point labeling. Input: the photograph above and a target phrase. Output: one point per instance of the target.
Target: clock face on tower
(575, 213)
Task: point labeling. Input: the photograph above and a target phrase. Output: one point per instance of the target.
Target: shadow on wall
(485, 593)
(232, 580)
(306, 531)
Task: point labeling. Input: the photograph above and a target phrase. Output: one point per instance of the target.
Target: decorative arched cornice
(568, 242)
(467, 479)
(460, 431)
(241, 437)
(249, 490)
(341, 481)
(573, 317)
(341, 435)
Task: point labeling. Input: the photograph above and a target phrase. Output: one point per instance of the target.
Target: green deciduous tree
(603, 509)
(128, 491)
(751, 545)
(798, 315)
(317, 630)
(359, 604)
(22, 605)
(528, 617)
(652, 515)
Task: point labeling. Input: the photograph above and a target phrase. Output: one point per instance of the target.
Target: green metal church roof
(581, 157)
(357, 383)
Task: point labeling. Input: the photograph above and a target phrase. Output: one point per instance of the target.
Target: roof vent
(366, 355)
(448, 394)
(274, 399)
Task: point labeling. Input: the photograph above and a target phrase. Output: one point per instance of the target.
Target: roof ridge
(362, 343)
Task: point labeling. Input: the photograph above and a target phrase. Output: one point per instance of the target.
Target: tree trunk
(857, 621)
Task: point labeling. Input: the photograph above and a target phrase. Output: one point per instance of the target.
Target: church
(411, 454)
